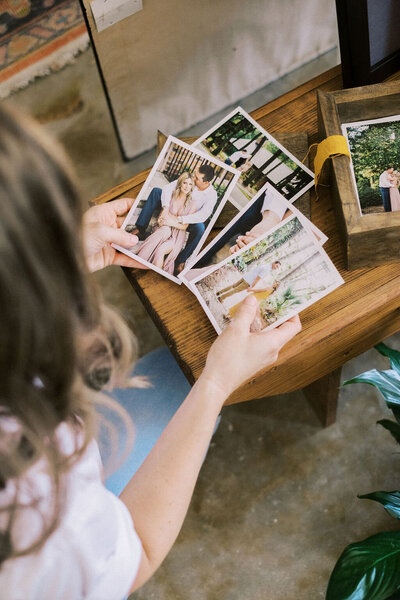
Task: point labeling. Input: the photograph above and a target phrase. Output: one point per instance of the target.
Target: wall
(177, 62)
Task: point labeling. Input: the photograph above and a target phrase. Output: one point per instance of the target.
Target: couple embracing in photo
(389, 187)
(186, 204)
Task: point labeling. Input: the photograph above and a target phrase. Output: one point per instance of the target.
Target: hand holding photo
(267, 209)
(177, 207)
(375, 155)
(241, 142)
(285, 270)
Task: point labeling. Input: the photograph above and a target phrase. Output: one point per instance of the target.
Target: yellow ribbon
(334, 145)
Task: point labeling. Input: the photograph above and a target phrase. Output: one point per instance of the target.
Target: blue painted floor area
(150, 410)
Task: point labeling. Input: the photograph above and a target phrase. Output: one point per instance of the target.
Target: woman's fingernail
(134, 238)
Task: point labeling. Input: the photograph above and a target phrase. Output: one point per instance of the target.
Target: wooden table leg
(323, 396)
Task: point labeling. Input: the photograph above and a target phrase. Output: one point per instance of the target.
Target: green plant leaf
(387, 382)
(391, 426)
(367, 570)
(389, 500)
(393, 355)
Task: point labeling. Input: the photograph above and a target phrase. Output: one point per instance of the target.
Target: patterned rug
(36, 38)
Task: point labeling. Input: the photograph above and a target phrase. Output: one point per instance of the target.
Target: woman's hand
(163, 216)
(242, 241)
(101, 229)
(159, 493)
(237, 354)
(166, 218)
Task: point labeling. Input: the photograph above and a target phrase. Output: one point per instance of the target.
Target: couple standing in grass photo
(284, 270)
(375, 160)
(389, 182)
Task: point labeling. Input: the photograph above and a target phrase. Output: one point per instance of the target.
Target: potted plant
(370, 569)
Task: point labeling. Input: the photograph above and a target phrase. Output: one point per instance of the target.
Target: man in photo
(203, 195)
(386, 181)
(260, 282)
(256, 281)
(238, 158)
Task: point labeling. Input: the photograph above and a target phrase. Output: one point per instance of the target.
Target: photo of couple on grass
(285, 270)
(177, 208)
(375, 157)
(389, 182)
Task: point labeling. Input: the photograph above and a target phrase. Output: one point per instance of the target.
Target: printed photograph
(241, 142)
(286, 271)
(267, 209)
(177, 206)
(375, 155)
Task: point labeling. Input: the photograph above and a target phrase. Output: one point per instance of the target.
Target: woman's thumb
(246, 312)
(119, 236)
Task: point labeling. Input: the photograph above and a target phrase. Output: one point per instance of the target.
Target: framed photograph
(285, 270)
(177, 207)
(375, 156)
(369, 117)
(238, 140)
(267, 209)
(369, 40)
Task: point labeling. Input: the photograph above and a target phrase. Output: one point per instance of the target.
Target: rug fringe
(54, 62)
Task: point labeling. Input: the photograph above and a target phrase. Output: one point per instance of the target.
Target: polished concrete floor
(276, 501)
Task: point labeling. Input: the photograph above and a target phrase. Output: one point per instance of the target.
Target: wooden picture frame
(369, 41)
(370, 239)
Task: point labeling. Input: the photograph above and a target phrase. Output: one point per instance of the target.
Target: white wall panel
(177, 62)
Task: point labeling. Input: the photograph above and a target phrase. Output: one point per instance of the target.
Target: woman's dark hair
(55, 336)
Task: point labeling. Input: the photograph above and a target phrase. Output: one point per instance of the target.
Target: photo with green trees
(374, 147)
(240, 141)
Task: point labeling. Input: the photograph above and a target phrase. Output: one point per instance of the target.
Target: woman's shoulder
(36, 486)
(94, 541)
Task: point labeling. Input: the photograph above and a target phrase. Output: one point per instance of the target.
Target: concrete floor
(276, 501)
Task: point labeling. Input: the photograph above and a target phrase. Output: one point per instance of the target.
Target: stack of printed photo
(269, 249)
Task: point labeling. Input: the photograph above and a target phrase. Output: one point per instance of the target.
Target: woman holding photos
(163, 246)
(63, 535)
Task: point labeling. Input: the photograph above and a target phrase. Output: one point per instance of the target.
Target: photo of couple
(177, 207)
(286, 270)
(240, 160)
(241, 142)
(375, 155)
(265, 211)
(260, 281)
(389, 182)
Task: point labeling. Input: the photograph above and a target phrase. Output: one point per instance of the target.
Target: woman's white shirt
(94, 554)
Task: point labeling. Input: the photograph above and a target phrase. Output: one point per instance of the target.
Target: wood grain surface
(340, 326)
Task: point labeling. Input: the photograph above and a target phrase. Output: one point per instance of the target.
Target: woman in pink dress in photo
(162, 247)
(394, 192)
